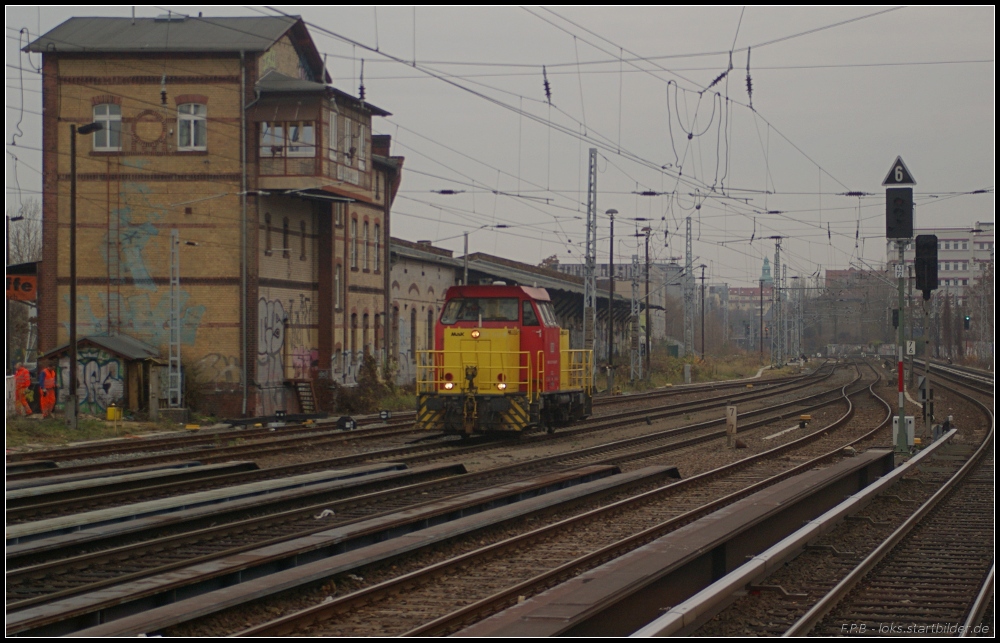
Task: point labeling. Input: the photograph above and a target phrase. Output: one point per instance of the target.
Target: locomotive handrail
(578, 368)
(432, 371)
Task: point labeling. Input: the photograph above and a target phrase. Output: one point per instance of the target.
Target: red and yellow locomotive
(501, 363)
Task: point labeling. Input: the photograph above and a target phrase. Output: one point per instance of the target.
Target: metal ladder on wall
(307, 400)
(174, 394)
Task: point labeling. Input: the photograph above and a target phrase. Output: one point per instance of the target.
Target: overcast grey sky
(837, 94)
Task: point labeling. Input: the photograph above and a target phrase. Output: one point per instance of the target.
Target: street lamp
(72, 404)
(702, 266)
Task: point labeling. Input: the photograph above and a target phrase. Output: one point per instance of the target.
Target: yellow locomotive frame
(481, 382)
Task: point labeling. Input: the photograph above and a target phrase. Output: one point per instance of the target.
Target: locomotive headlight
(475, 334)
(501, 386)
(449, 385)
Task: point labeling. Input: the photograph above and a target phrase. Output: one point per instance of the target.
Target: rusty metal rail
(939, 538)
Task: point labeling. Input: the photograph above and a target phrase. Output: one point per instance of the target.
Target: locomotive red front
(501, 363)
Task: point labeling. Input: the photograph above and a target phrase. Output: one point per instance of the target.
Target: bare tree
(24, 245)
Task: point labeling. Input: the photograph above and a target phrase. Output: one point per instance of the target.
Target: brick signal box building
(226, 160)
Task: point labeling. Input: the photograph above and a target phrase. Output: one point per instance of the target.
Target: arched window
(430, 328)
(365, 341)
(378, 331)
(354, 244)
(393, 341)
(284, 238)
(378, 247)
(354, 335)
(337, 298)
(267, 233)
(413, 333)
(365, 246)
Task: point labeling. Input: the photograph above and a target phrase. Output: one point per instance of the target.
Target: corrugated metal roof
(155, 34)
(123, 345)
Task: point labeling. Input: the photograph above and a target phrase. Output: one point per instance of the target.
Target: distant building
(964, 254)
(419, 277)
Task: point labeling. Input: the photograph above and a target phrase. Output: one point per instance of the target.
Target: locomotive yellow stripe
(517, 417)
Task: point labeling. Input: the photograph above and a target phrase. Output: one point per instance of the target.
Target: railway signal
(926, 263)
(899, 226)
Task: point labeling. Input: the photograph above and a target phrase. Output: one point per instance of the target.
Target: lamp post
(72, 403)
(703, 266)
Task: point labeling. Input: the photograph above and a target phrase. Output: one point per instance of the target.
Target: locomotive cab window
(529, 318)
(472, 309)
(547, 312)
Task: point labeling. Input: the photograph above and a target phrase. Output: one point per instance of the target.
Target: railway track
(32, 579)
(227, 444)
(818, 435)
(416, 451)
(910, 563)
(497, 575)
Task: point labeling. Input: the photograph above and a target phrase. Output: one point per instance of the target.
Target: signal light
(925, 263)
(898, 213)
(968, 322)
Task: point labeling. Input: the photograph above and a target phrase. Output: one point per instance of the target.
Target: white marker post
(730, 425)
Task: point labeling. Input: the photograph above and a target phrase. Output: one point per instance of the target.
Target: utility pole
(761, 290)
(777, 337)
(688, 292)
(649, 347)
(611, 302)
(590, 279)
(635, 371)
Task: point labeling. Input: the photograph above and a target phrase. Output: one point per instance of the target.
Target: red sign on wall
(22, 287)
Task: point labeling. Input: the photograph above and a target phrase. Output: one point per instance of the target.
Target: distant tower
(765, 273)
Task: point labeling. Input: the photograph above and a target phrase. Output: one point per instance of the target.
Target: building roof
(528, 275)
(423, 252)
(121, 345)
(276, 82)
(178, 33)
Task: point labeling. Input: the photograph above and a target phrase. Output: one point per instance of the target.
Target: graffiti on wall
(139, 318)
(305, 361)
(303, 352)
(145, 312)
(100, 379)
(221, 370)
(128, 234)
(271, 322)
